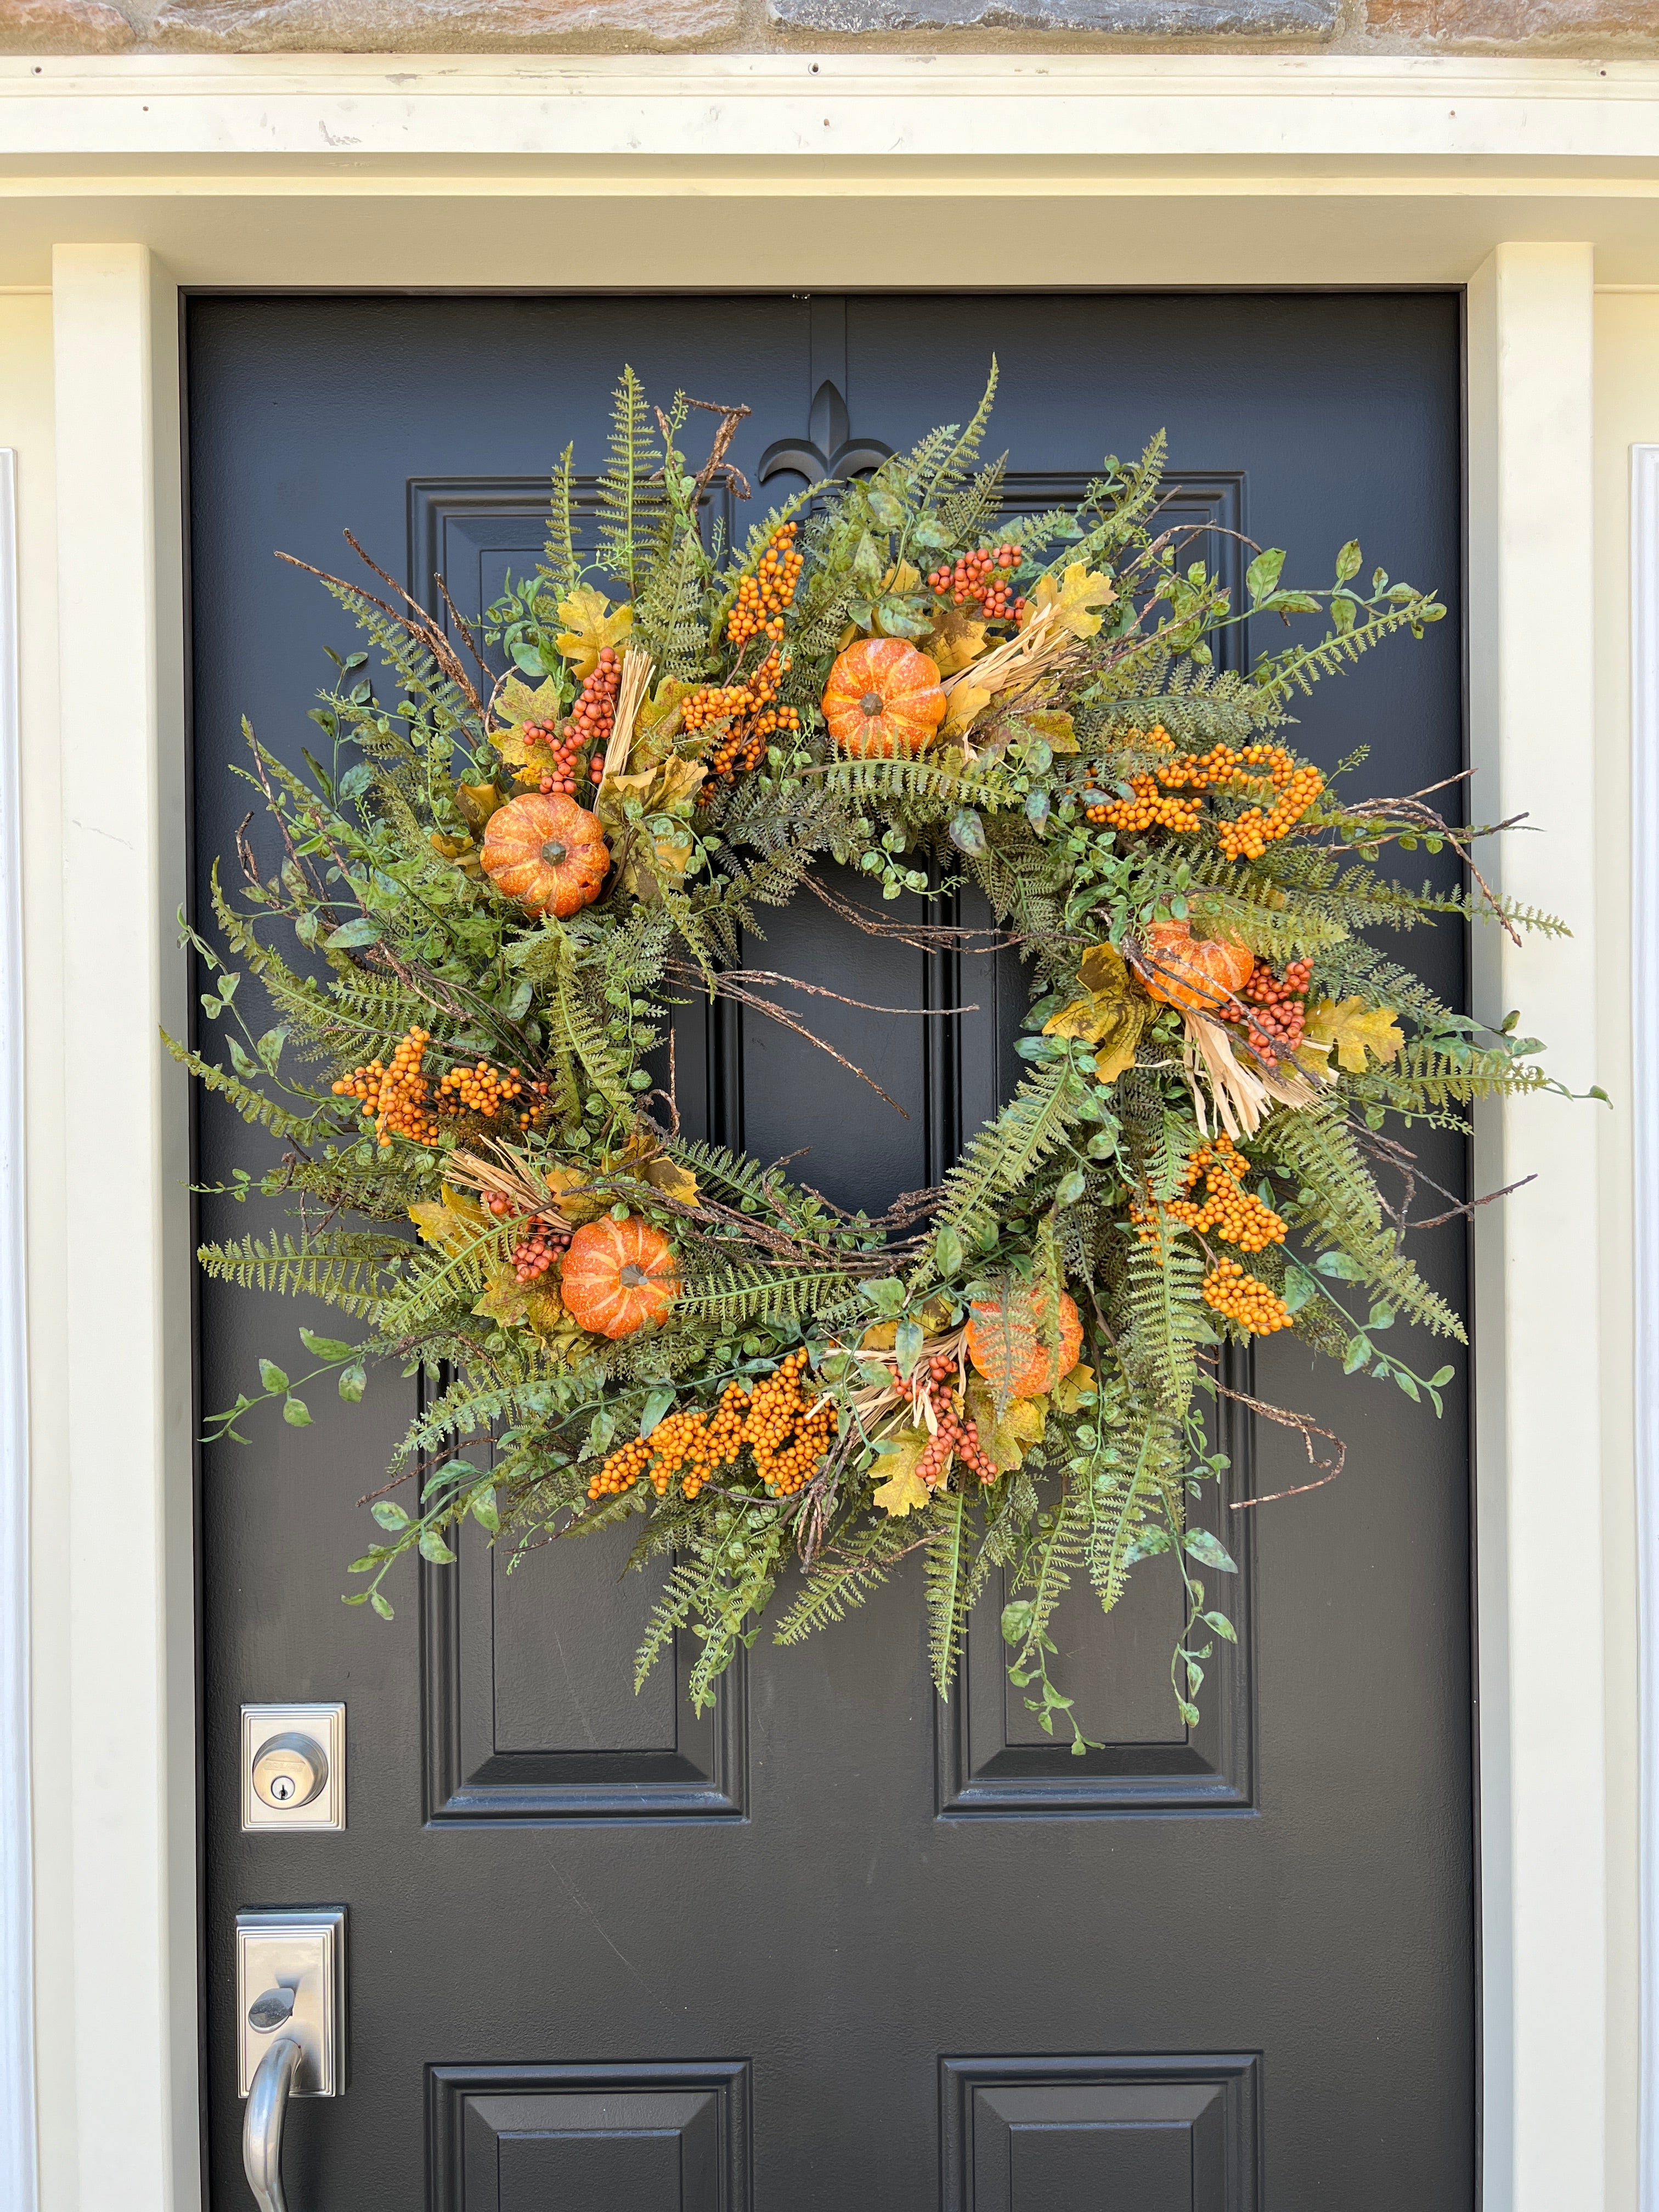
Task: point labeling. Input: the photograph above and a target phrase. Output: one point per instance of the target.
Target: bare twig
(919, 936)
(1305, 1428)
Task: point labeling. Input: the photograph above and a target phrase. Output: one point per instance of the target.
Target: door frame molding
(120, 1619)
(1644, 967)
(17, 2168)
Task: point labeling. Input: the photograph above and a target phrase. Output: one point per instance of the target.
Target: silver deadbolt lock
(289, 1770)
(293, 1767)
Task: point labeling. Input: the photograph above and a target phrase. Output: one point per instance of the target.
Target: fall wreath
(501, 885)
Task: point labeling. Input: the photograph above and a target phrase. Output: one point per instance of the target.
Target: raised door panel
(531, 1710)
(602, 2139)
(1100, 2135)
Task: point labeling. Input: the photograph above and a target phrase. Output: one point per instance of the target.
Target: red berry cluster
(543, 1241)
(559, 773)
(595, 710)
(1276, 1008)
(975, 577)
(935, 1382)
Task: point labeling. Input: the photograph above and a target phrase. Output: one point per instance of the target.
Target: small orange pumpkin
(883, 700)
(618, 1275)
(546, 851)
(990, 1350)
(1182, 970)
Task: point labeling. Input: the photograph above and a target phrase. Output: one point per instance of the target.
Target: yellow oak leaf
(902, 1489)
(1074, 596)
(954, 641)
(904, 577)
(967, 703)
(478, 802)
(647, 858)
(673, 1181)
(568, 1187)
(537, 1305)
(1112, 1012)
(657, 722)
(1070, 1387)
(591, 625)
(461, 850)
(1354, 1029)
(452, 1224)
(882, 1335)
(1055, 726)
(516, 705)
(1007, 1439)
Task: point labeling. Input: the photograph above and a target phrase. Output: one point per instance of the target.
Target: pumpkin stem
(872, 704)
(632, 1277)
(553, 853)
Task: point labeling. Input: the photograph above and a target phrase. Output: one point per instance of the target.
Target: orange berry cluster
(1243, 1298)
(1228, 1210)
(624, 1468)
(1157, 802)
(975, 577)
(786, 1436)
(480, 1089)
(559, 773)
(750, 709)
(543, 1240)
(595, 712)
(690, 1446)
(762, 597)
(1275, 1008)
(1298, 786)
(396, 1098)
(1147, 807)
(954, 1437)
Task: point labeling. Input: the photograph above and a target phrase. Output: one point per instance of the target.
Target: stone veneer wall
(1565, 27)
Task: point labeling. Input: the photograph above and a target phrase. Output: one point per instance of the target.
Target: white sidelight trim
(17, 2166)
(1538, 1444)
(1644, 961)
(126, 1486)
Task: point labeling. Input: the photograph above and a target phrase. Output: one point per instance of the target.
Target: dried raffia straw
(1030, 653)
(637, 666)
(511, 1177)
(1243, 1096)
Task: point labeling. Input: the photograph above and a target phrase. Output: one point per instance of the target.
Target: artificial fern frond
(630, 510)
(349, 1268)
(559, 563)
(1008, 1151)
(252, 1105)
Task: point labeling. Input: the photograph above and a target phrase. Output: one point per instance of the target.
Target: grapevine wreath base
(499, 888)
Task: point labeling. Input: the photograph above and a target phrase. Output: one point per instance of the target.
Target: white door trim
(1645, 949)
(126, 1486)
(17, 2173)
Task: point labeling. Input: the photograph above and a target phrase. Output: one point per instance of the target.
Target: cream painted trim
(17, 2146)
(126, 1488)
(1542, 1649)
(1644, 934)
(1166, 108)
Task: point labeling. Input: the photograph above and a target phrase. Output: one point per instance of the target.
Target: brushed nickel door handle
(291, 2035)
(262, 2124)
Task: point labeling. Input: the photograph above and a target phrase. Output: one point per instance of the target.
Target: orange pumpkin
(883, 700)
(989, 1348)
(546, 851)
(618, 1275)
(1182, 970)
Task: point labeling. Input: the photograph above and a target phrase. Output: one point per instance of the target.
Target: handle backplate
(300, 1948)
